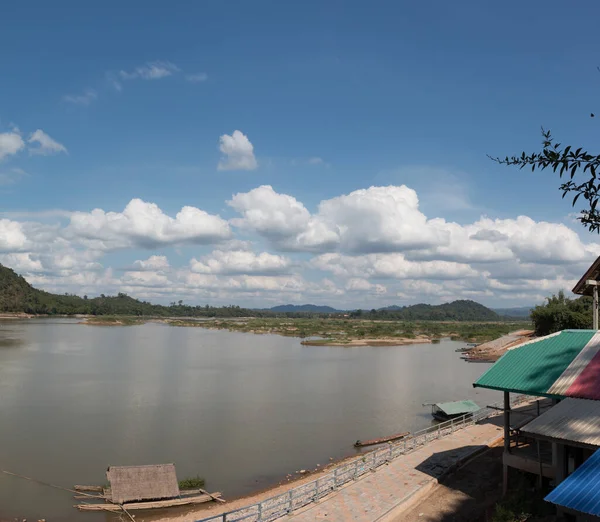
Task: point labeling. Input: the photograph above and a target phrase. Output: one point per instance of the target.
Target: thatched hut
(136, 483)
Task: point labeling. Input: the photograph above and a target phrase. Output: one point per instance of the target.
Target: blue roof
(580, 491)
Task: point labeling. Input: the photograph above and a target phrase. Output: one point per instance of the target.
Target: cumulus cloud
(391, 266)
(238, 152)
(12, 236)
(153, 263)
(196, 78)
(45, 144)
(375, 245)
(240, 262)
(10, 144)
(87, 97)
(145, 225)
(150, 71)
(269, 213)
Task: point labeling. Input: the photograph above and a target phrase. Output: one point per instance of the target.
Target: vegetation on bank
(345, 330)
(561, 313)
(191, 483)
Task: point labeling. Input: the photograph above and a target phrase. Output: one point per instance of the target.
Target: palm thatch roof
(135, 483)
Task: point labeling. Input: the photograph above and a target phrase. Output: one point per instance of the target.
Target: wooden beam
(131, 506)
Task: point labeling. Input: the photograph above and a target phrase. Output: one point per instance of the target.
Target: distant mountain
(315, 309)
(462, 310)
(522, 311)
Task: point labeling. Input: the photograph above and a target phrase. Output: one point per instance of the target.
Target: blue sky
(328, 100)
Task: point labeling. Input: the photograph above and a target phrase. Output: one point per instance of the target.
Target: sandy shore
(382, 341)
(212, 509)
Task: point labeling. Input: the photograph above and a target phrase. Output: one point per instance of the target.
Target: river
(240, 410)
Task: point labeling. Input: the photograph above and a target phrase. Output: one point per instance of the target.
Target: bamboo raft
(132, 506)
(382, 440)
(140, 487)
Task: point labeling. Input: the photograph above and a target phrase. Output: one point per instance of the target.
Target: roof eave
(593, 272)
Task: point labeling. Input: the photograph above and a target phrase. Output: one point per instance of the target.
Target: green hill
(462, 310)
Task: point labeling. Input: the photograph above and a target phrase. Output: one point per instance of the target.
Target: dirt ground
(468, 495)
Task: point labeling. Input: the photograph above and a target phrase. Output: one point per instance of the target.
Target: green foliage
(523, 502)
(561, 313)
(504, 514)
(567, 161)
(343, 330)
(191, 483)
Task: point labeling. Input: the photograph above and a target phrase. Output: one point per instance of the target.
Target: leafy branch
(568, 163)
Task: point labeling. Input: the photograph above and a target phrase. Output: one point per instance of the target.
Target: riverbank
(491, 351)
(359, 332)
(387, 492)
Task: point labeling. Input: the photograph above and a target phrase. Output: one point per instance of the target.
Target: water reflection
(238, 409)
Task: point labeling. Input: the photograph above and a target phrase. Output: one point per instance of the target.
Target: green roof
(536, 366)
(458, 407)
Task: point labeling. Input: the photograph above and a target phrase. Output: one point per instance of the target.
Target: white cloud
(10, 144)
(238, 152)
(153, 263)
(240, 262)
(12, 236)
(46, 145)
(315, 160)
(392, 266)
(269, 213)
(196, 78)
(375, 245)
(145, 225)
(88, 96)
(150, 71)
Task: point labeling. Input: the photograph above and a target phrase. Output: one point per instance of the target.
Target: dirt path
(465, 496)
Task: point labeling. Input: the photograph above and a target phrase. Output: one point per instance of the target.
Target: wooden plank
(214, 497)
(88, 488)
(131, 506)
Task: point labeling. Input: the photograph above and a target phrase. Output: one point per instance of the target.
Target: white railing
(283, 504)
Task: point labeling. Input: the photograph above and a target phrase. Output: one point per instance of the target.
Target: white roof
(574, 420)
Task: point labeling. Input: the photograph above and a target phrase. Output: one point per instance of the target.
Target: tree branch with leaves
(579, 166)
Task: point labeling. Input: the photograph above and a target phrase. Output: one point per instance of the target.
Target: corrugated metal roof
(580, 491)
(458, 407)
(559, 365)
(574, 420)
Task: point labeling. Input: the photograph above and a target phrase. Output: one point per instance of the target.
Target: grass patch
(344, 330)
(191, 483)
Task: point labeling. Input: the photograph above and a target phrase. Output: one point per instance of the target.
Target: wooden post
(594, 285)
(539, 456)
(506, 440)
(595, 290)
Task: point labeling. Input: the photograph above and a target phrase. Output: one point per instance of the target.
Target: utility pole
(594, 285)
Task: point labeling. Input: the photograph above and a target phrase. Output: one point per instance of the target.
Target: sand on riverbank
(382, 341)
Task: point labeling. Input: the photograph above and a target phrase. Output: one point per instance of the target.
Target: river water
(240, 410)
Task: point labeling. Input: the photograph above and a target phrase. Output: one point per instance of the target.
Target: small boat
(373, 442)
(444, 411)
